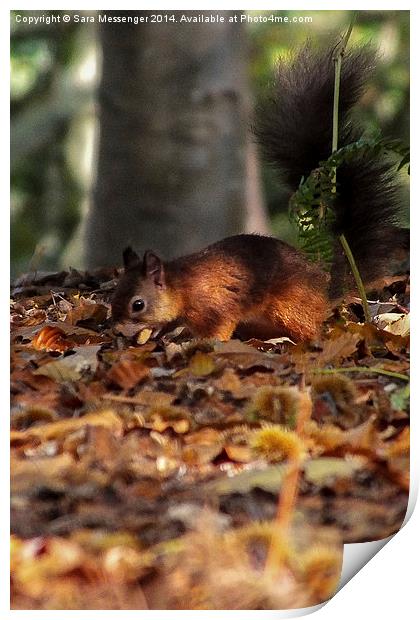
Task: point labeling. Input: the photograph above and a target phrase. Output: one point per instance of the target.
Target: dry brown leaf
(29, 318)
(126, 565)
(127, 373)
(159, 423)
(378, 340)
(337, 349)
(60, 429)
(87, 310)
(238, 453)
(232, 347)
(230, 382)
(398, 324)
(202, 446)
(51, 339)
(72, 367)
(59, 558)
(364, 438)
(245, 357)
(26, 471)
(76, 334)
(146, 398)
(400, 446)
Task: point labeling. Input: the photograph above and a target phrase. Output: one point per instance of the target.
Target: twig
(378, 371)
(131, 400)
(305, 408)
(338, 59)
(376, 302)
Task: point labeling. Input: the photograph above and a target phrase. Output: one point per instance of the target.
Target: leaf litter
(170, 473)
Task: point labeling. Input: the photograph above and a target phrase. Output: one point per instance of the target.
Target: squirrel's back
(252, 284)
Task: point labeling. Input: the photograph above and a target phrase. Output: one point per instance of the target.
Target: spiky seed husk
(277, 443)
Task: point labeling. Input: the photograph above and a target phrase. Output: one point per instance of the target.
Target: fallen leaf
(270, 478)
(362, 439)
(238, 453)
(202, 446)
(59, 558)
(26, 473)
(51, 339)
(124, 564)
(378, 340)
(176, 418)
(201, 364)
(55, 430)
(87, 310)
(400, 399)
(30, 318)
(281, 340)
(338, 348)
(230, 382)
(71, 367)
(397, 324)
(127, 373)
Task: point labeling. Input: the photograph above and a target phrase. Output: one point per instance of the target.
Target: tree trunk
(173, 123)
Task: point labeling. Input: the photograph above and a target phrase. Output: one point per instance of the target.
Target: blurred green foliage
(50, 96)
(46, 101)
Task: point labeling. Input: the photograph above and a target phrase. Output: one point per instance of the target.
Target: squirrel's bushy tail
(294, 128)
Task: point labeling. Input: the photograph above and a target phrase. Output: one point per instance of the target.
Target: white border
(388, 584)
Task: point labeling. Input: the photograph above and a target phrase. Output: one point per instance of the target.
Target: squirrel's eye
(137, 305)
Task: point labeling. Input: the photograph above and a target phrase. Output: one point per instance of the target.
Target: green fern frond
(310, 207)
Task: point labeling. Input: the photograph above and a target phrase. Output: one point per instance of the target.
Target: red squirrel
(258, 285)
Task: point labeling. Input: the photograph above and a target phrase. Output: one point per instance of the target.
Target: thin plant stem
(289, 489)
(285, 510)
(367, 369)
(305, 409)
(357, 276)
(288, 496)
(338, 59)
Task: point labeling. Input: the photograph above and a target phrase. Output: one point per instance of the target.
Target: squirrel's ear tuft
(153, 268)
(130, 258)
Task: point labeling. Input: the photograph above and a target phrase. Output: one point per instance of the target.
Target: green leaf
(400, 399)
(310, 207)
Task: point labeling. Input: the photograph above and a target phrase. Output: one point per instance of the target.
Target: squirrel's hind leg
(299, 314)
(222, 330)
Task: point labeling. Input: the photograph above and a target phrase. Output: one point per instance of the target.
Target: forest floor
(174, 473)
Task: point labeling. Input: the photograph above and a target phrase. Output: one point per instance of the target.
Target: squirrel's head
(142, 296)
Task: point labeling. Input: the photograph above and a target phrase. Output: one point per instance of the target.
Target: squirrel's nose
(116, 330)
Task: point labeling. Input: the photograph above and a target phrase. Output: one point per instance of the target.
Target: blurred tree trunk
(173, 106)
